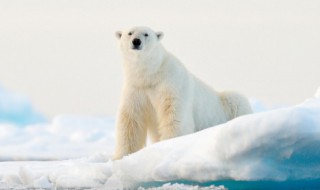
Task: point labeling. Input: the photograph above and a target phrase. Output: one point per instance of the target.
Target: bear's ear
(159, 35)
(118, 34)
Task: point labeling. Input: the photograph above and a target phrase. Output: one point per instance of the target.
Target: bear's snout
(136, 43)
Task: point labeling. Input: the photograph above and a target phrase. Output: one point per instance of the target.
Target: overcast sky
(64, 56)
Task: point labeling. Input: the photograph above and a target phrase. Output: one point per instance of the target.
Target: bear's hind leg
(235, 104)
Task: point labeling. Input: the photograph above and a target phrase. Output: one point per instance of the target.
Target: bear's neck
(144, 71)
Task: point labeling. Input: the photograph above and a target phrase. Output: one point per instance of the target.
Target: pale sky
(64, 56)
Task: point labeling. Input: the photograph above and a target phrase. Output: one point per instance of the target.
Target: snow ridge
(277, 145)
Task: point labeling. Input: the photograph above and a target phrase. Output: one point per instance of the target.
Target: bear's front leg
(131, 129)
(168, 117)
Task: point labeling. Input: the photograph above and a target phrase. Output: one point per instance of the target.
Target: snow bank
(73, 174)
(276, 145)
(65, 137)
(17, 109)
(67, 174)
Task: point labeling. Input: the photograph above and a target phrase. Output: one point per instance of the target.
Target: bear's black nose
(136, 42)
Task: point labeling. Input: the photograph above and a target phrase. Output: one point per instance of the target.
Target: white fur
(162, 98)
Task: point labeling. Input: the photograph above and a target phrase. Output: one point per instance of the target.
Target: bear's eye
(130, 33)
(146, 35)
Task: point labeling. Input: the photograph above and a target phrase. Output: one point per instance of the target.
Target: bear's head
(138, 40)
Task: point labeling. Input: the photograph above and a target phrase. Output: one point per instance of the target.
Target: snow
(67, 136)
(69, 173)
(176, 186)
(277, 145)
(17, 109)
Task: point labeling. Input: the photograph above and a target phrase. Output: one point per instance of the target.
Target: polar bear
(162, 98)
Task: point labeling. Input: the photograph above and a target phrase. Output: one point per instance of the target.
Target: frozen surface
(176, 186)
(281, 145)
(65, 137)
(275, 145)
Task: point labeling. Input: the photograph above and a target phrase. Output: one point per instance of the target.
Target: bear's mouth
(136, 47)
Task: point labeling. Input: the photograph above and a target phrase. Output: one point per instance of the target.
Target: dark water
(245, 185)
